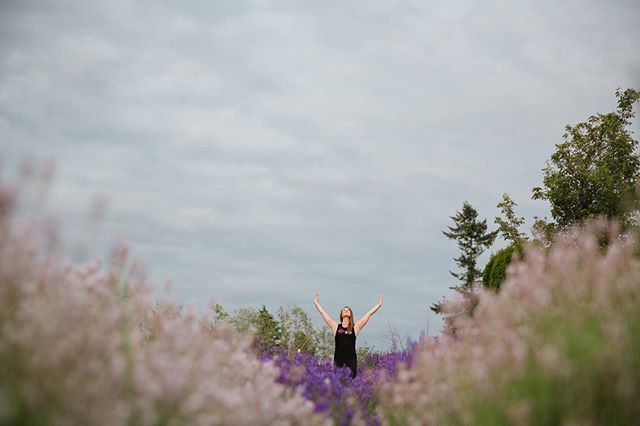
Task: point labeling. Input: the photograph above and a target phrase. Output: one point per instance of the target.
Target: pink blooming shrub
(85, 346)
(559, 344)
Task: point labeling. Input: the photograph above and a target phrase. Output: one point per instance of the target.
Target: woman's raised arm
(333, 325)
(358, 326)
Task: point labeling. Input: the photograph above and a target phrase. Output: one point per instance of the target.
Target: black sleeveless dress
(345, 354)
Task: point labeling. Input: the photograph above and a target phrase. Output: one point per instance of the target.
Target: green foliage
(220, 314)
(298, 334)
(245, 320)
(325, 343)
(508, 226)
(473, 239)
(543, 232)
(268, 328)
(298, 330)
(290, 329)
(595, 170)
(495, 271)
(486, 272)
(362, 351)
(259, 322)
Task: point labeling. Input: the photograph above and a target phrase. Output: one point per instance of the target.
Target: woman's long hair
(351, 323)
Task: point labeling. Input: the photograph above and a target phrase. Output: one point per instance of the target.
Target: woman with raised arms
(345, 333)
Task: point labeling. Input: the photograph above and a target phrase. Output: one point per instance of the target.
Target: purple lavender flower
(332, 390)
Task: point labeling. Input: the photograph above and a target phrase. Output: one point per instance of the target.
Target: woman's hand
(315, 297)
(379, 300)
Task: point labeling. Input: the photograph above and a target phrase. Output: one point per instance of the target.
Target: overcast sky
(253, 151)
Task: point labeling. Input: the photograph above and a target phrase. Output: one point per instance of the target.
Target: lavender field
(204, 203)
(86, 344)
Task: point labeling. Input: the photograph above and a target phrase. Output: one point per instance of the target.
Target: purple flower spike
(332, 390)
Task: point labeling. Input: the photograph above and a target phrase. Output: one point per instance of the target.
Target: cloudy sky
(253, 151)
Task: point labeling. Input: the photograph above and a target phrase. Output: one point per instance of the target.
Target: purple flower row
(332, 390)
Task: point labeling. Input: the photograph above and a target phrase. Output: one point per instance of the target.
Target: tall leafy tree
(245, 320)
(594, 172)
(298, 334)
(290, 328)
(473, 238)
(509, 223)
(257, 321)
(494, 272)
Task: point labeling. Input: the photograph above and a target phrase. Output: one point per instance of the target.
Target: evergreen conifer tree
(473, 239)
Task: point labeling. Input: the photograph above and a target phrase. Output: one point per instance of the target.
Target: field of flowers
(559, 344)
(80, 345)
(87, 345)
(333, 392)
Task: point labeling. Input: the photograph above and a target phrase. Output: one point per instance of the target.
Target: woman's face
(346, 312)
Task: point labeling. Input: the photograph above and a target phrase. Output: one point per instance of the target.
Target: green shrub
(486, 272)
(495, 272)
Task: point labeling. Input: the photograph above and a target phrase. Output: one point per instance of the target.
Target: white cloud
(257, 150)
